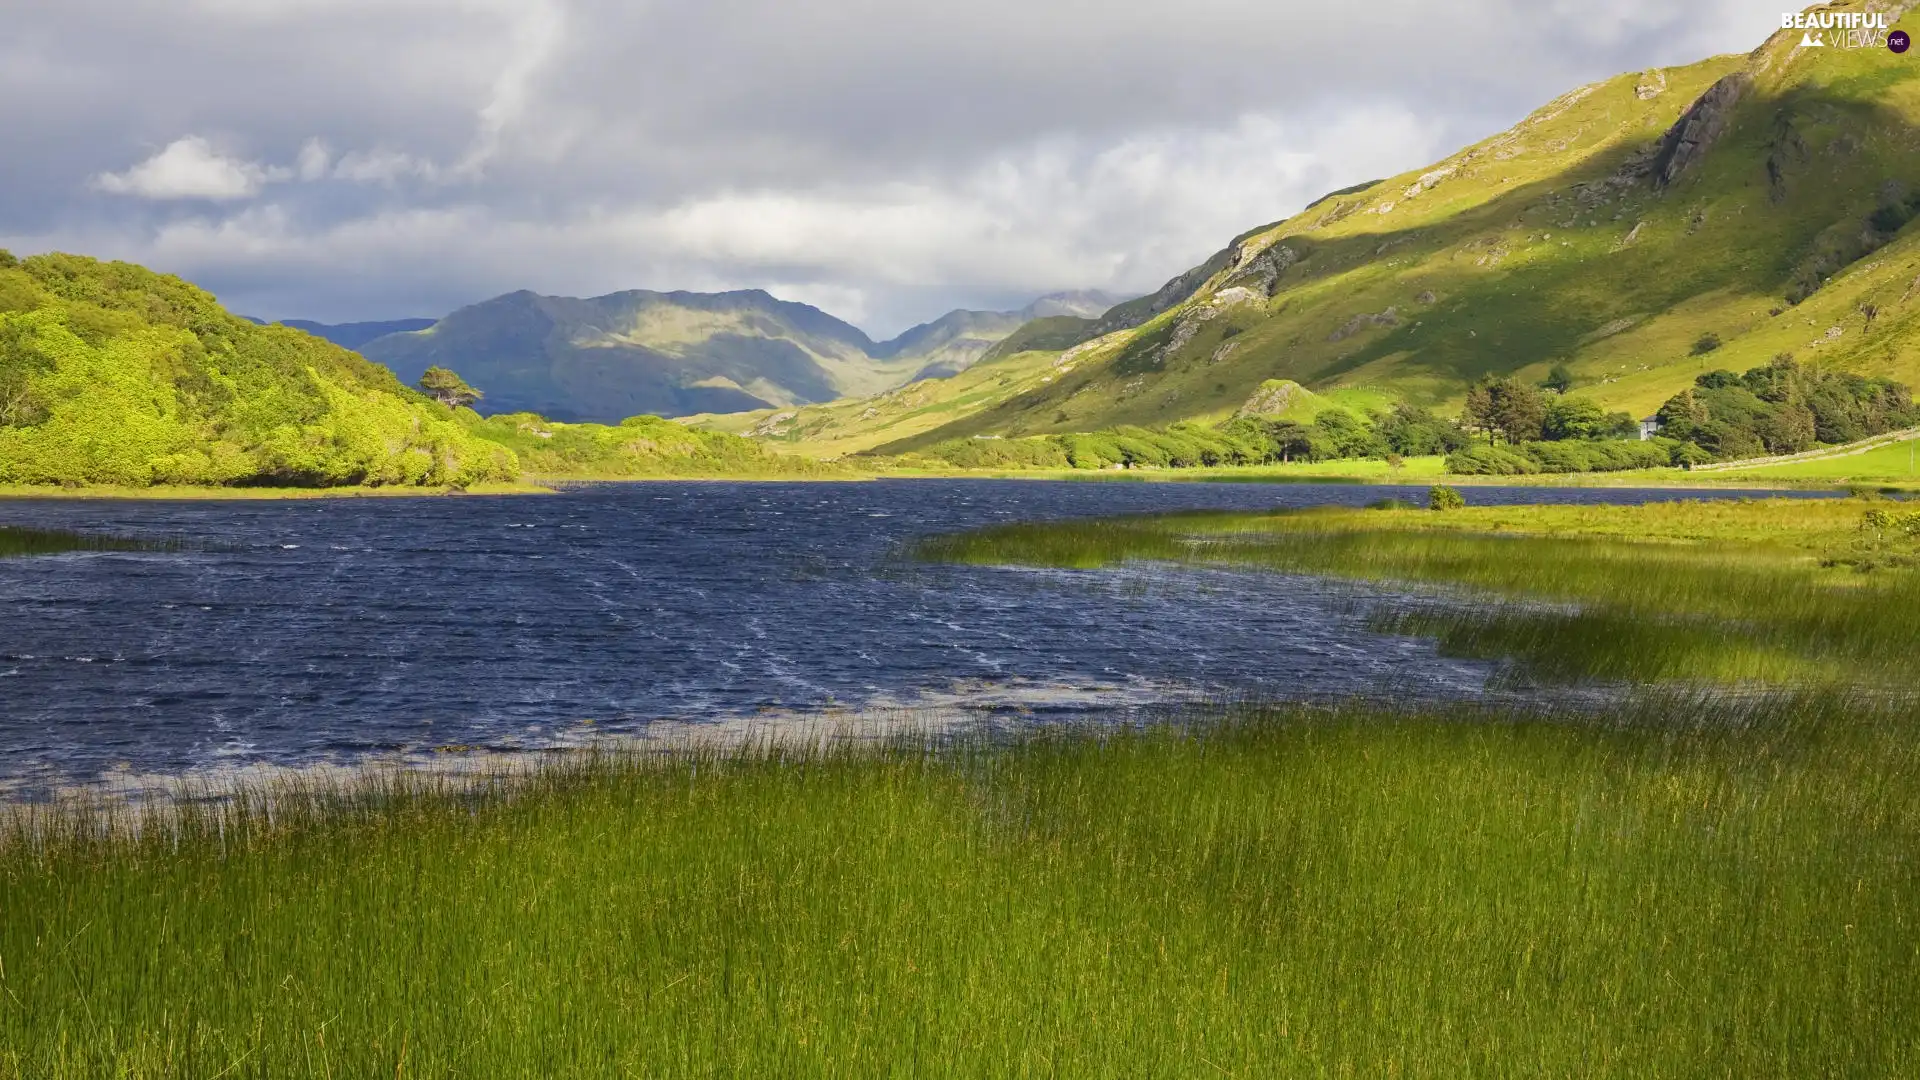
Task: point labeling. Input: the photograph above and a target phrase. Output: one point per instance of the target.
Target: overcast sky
(884, 159)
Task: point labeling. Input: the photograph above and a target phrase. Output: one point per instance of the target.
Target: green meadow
(1705, 870)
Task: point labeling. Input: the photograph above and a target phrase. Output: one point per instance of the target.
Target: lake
(327, 630)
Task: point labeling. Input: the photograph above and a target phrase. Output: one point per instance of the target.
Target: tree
(1559, 379)
(1410, 430)
(1506, 407)
(448, 388)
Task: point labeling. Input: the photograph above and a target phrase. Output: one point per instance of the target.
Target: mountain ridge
(678, 353)
(1638, 231)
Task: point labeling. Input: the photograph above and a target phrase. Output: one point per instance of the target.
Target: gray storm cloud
(353, 159)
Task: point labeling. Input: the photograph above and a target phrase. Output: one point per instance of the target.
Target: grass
(1895, 462)
(1724, 592)
(1670, 890)
(15, 541)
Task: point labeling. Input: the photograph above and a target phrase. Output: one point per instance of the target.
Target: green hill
(113, 374)
(1640, 231)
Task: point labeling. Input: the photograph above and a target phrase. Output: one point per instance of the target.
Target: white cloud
(190, 168)
(405, 156)
(383, 166)
(314, 160)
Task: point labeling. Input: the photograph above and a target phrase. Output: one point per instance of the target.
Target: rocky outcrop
(1273, 397)
(1365, 321)
(1691, 136)
(1262, 272)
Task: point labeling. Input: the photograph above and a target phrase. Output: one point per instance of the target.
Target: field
(1896, 462)
(1707, 870)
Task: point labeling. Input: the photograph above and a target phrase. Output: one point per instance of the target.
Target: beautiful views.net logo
(1839, 29)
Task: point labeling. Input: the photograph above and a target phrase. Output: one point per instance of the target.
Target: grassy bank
(1769, 590)
(1661, 892)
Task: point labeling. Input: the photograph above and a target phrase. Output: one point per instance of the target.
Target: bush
(1490, 461)
(1575, 456)
(1442, 497)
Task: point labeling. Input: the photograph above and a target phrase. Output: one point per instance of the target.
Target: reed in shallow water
(1766, 591)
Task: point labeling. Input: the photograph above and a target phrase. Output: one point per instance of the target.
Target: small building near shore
(1649, 428)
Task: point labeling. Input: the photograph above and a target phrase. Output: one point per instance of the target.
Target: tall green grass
(1677, 889)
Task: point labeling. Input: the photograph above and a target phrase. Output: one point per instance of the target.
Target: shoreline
(552, 485)
(196, 493)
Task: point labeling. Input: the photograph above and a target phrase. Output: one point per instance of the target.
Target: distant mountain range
(679, 353)
(355, 334)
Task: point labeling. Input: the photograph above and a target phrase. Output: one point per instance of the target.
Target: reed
(1681, 886)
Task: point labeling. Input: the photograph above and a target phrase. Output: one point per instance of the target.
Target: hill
(958, 339)
(853, 425)
(680, 353)
(113, 374)
(355, 334)
(614, 356)
(1639, 231)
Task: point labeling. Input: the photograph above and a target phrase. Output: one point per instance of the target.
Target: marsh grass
(1680, 887)
(1678, 591)
(24, 541)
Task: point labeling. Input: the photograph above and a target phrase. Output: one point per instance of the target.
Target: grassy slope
(1899, 461)
(850, 426)
(1528, 267)
(112, 374)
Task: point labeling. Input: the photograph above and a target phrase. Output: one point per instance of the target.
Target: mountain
(1640, 231)
(681, 353)
(628, 353)
(113, 374)
(355, 334)
(955, 341)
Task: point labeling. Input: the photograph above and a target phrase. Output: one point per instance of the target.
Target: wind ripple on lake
(327, 630)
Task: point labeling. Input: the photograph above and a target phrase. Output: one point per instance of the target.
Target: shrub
(1442, 497)
(1490, 461)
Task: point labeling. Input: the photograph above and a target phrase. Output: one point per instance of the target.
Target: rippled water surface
(324, 630)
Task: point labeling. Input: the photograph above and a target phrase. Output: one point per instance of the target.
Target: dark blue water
(325, 630)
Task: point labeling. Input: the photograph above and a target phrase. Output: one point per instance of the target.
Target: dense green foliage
(1570, 456)
(1332, 435)
(112, 374)
(1784, 408)
(640, 446)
